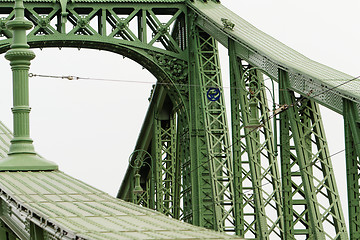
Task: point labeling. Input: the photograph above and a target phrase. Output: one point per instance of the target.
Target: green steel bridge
(265, 174)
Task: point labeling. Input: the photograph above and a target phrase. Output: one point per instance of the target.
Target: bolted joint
(43, 22)
(19, 54)
(82, 22)
(163, 29)
(3, 22)
(122, 24)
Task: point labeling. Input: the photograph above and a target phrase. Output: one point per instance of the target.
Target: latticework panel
(214, 169)
(258, 189)
(352, 147)
(314, 201)
(167, 196)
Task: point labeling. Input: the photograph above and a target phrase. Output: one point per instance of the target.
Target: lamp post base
(26, 162)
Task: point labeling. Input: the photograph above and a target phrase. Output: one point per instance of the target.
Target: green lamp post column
(21, 156)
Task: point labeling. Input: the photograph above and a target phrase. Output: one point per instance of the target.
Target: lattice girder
(212, 169)
(151, 34)
(313, 164)
(255, 162)
(352, 149)
(165, 166)
(146, 26)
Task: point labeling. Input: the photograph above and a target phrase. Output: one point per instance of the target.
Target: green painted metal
(183, 170)
(257, 179)
(195, 173)
(6, 233)
(261, 50)
(2, 230)
(21, 155)
(352, 147)
(167, 195)
(144, 187)
(316, 188)
(12, 225)
(53, 205)
(211, 165)
(36, 232)
(296, 214)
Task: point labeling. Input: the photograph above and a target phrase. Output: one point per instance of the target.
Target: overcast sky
(90, 127)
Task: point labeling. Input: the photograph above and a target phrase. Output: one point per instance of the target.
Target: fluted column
(21, 156)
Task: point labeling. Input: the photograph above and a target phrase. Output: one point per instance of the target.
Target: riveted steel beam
(212, 175)
(352, 149)
(143, 143)
(256, 174)
(261, 50)
(165, 162)
(155, 27)
(312, 205)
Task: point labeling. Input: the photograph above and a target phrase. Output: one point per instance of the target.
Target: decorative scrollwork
(175, 67)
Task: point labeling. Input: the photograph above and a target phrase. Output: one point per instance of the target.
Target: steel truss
(312, 206)
(152, 35)
(257, 179)
(212, 174)
(159, 166)
(166, 174)
(352, 149)
(135, 24)
(184, 164)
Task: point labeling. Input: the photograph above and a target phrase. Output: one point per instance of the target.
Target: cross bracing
(184, 164)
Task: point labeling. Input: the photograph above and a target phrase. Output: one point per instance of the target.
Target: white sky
(90, 127)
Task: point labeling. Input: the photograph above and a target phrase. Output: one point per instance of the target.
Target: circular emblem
(213, 94)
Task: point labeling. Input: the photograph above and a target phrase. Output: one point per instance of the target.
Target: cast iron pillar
(21, 156)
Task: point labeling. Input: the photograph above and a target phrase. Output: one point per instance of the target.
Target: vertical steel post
(256, 174)
(236, 72)
(165, 163)
(2, 230)
(308, 174)
(212, 175)
(352, 149)
(36, 233)
(202, 206)
(183, 147)
(22, 155)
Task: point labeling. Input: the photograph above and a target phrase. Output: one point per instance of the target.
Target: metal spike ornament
(21, 156)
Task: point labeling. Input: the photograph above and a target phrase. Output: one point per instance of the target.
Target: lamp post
(141, 156)
(21, 155)
(272, 93)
